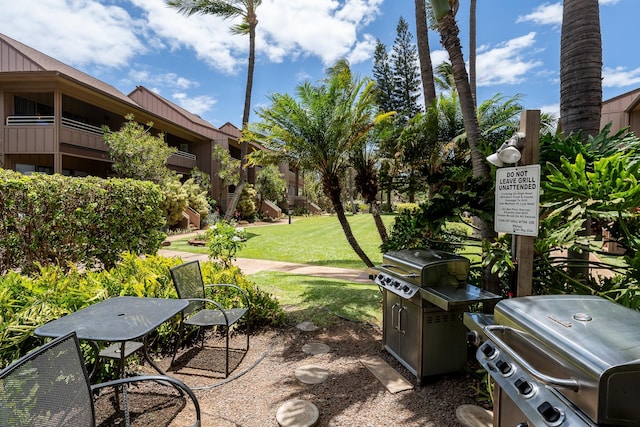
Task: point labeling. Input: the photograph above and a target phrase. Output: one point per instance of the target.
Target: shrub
(224, 239)
(58, 220)
(27, 302)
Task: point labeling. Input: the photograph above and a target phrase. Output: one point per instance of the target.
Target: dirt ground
(263, 379)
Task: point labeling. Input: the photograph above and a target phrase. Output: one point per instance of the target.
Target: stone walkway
(251, 266)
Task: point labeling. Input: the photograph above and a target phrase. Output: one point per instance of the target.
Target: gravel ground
(264, 379)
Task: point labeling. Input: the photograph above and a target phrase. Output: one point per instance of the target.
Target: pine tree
(383, 76)
(406, 73)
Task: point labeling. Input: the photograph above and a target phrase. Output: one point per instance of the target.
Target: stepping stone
(315, 348)
(311, 374)
(297, 413)
(474, 416)
(306, 326)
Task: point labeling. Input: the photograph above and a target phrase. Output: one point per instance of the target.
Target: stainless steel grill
(425, 295)
(562, 360)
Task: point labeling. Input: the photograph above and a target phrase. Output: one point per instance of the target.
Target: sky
(199, 65)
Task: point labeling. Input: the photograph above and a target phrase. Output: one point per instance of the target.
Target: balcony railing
(185, 155)
(82, 126)
(49, 120)
(29, 120)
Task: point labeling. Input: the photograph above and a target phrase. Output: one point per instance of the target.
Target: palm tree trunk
(448, 29)
(382, 229)
(449, 38)
(424, 53)
(244, 146)
(472, 50)
(580, 90)
(332, 190)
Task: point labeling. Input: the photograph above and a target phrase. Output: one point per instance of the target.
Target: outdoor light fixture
(509, 151)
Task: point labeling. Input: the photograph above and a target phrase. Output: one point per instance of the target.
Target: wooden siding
(29, 139)
(81, 138)
(13, 60)
(181, 161)
(157, 105)
(615, 110)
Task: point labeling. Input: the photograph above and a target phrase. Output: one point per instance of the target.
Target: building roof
(32, 60)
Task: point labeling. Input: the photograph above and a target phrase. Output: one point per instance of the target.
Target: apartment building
(53, 115)
(623, 111)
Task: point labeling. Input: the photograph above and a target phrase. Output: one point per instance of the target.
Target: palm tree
(424, 53)
(229, 9)
(472, 49)
(445, 11)
(580, 85)
(319, 130)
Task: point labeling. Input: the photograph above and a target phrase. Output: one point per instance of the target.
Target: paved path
(251, 266)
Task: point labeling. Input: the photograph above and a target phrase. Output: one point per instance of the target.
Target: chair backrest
(47, 387)
(187, 278)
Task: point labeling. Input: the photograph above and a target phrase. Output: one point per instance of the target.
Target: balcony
(182, 159)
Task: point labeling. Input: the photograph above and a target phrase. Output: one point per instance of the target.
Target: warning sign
(517, 199)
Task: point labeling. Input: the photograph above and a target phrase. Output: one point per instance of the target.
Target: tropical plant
(318, 131)
(224, 239)
(231, 9)
(138, 154)
(270, 185)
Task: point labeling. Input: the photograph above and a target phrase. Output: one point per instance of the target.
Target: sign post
(517, 201)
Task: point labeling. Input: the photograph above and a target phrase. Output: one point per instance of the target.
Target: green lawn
(316, 240)
(320, 300)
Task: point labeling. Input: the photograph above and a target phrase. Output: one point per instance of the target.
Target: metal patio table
(119, 320)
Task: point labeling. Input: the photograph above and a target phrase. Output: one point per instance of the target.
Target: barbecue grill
(425, 295)
(562, 360)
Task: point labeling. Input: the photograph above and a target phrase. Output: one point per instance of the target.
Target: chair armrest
(210, 301)
(179, 385)
(236, 287)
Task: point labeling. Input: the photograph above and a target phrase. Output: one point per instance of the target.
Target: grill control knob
(504, 367)
(405, 289)
(488, 350)
(549, 413)
(524, 387)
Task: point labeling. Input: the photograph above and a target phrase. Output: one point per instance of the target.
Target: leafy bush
(224, 239)
(54, 219)
(27, 302)
(407, 207)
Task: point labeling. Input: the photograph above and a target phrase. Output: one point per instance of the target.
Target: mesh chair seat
(50, 387)
(187, 279)
(208, 317)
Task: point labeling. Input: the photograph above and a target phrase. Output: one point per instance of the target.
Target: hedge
(65, 221)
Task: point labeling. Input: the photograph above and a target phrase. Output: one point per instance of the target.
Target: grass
(320, 300)
(315, 240)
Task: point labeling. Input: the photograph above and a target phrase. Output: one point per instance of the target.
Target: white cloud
(197, 105)
(546, 14)
(553, 109)
(608, 2)
(79, 33)
(505, 64)
(207, 35)
(438, 57)
(620, 77)
(306, 23)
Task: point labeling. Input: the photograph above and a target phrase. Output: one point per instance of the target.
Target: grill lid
(427, 267)
(586, 340)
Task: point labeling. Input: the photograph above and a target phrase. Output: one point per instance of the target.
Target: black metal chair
(50, 387)
(187, 279)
